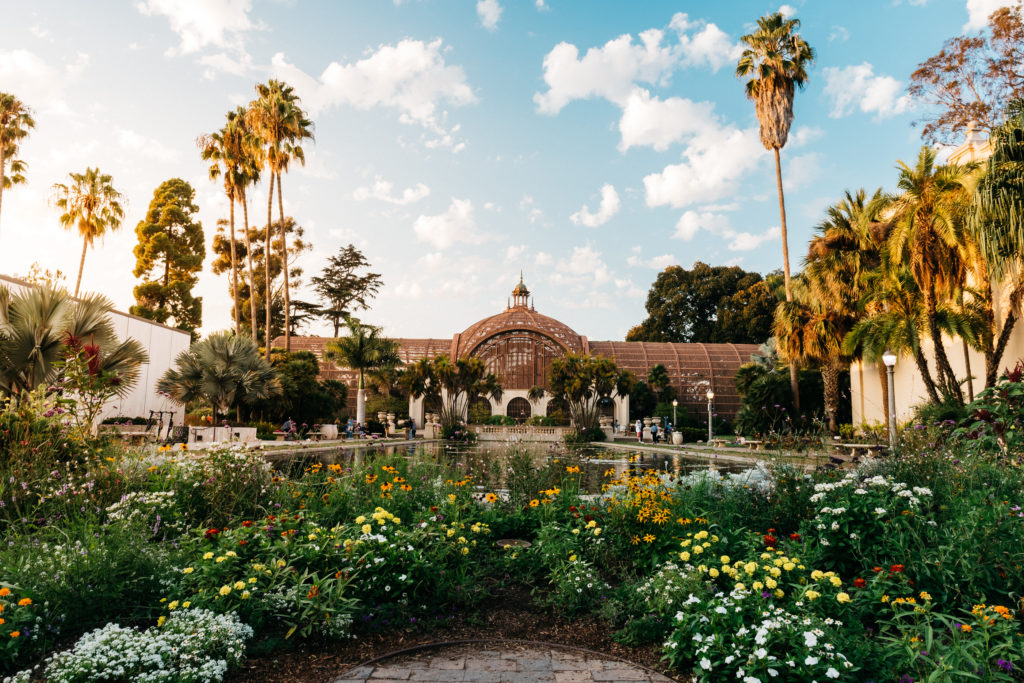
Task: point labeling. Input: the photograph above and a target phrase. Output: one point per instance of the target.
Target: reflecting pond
(491, 464)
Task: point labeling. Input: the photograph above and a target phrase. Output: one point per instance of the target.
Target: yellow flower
(490, 498)
(778, 593)
(451, 497)
(187, 570)
(224, 590)
(231, 553)
(817, 574)
(771, 583)
(812, 595)
(239, 585)
(161, 620)
(186, 604)
(724, 559)
(836, 581)
(252, 579)
(775, 571)
(789, 566)
(697, 550)
(220, 559)
(842, 597)
(740, 586)
(207, 556)
(926, 596)
(713, 573)
(750, 568)
(173, 605)
(597, 531)
(465, 550)
(366, 528)
(361, 519)
(591, 524)
(245, 595)
(462, 539)
(572, 558)
(885, 598)
(684, 556)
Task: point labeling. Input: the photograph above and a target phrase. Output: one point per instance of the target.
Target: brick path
(500, 663)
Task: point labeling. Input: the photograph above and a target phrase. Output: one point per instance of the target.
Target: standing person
(639, 431)
(412, 428)
(654, 432)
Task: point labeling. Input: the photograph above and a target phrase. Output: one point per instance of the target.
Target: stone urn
(381, 415)
(647, 422)
(677, 438)
(656, 420)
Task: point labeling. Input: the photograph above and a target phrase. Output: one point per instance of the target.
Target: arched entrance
(479, 410)
(519, 409)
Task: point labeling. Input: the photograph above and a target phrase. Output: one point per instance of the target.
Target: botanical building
(519, 344)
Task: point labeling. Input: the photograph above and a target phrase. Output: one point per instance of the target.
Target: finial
(520, 276)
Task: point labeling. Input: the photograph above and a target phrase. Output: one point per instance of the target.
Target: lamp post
(889, 358)
(674, 404)
(711, 396)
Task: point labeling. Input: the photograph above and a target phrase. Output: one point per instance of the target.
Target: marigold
(15, 634)
(4, 592)
(24, 602)
(842, 597)
(224, 590)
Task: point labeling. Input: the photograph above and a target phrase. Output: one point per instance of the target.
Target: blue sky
(589, 143)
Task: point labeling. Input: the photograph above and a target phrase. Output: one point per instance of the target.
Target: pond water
(490, 464)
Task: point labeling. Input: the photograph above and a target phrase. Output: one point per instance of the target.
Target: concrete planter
(677, 438)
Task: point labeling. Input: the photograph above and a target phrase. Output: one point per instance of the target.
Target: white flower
(832, 673)
(773, 672)
(810, 639)
(760, 653)
(880, 511)
(705, 663)
(811, 661)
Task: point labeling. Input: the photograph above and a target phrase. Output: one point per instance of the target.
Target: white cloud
(222, 62)
(804, 135)
(857, 87)
(202, 23)
(489, 12)
(513, 252)
(651, 121)
(39, 31)
(584, 263)
(745, 241)
(542, 259)
(839, 33)
(712, 166)
(39, 84)
(656, 262)
(608, 71)
(710, 46)
(692, 221)
(411, 77)
(609, 206)
(541, 5)
(456, 225)
(528, 206)
(978, 12)
(149, 147)
(382, 190)
(787, 11)
(802, 170)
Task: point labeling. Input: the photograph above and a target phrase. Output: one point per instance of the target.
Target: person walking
(639, 430)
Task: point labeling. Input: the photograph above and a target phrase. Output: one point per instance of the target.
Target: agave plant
(40, 325)
(223, 370)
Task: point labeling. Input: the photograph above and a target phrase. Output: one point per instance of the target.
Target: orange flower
(24, 602)
(4, 592)
(15, 634)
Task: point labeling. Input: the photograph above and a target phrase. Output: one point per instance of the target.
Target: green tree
(303, 397)
(38, 327)
(279, 121)
(997, 227)
(581, 381)
(454, 384)
(711, 304)
(15, 122)
(247, 291)
(928, 217)
(659, 380)
(342, 289)
(224, 370)
(91, 205)
(364, 349)
(774, 62)
(169, 256)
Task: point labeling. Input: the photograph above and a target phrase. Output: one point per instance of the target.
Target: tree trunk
(284, 266)
(252, 273)
(81, 265)
(992, 369)
(926, 376)
(945, 371)
(794, 377)
(830, 382)
(967, 367)
(883, 376)
(266, 264)
(234, 263)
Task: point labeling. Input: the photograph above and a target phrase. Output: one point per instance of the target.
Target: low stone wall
(221, 434)
(519, 433)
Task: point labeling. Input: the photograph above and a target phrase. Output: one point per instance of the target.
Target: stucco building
(519, 344)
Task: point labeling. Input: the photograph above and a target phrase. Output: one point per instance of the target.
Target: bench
(719, 443)
(314, 436)
(753, 445)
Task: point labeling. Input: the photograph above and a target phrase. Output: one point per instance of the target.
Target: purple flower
(1004, 665)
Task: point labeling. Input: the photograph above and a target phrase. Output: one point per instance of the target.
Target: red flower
(588, 518)
(876, 569)
(247, 523)
(433, 508)
(770, 540)
(859, 583)
(242, 542)
(896, 568)
(794, 537)
(211, 533)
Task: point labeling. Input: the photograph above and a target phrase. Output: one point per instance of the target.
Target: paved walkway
(500, 663)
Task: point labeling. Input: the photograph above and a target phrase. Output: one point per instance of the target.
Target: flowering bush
(736, 636)
(575, 584)
(192, 646)
(156, 511)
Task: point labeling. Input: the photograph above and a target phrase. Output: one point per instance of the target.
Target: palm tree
(456, 384)
(775, 61)
(224, 370)
(997, 227)
(15, 122)
(36, 327)
(91, 204)
(927, 235)
(282, 125)
(364, 349)
(219, 148)
(247, 174)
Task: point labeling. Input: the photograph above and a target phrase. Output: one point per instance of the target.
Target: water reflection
(491, 464)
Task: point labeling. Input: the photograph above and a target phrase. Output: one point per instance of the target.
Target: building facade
(519, 344)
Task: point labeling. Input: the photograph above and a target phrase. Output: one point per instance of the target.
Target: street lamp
(674, 404)
(711, 396)
(889, 358)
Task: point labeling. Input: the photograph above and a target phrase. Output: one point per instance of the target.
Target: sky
(585, 143)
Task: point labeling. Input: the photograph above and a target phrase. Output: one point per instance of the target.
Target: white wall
(161, 342)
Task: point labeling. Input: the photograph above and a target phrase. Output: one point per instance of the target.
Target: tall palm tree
(364, 349)
(282, 125)
(247, 175)
(36, 326)
(224, 370)
(15, 122)
(92, 205)
(927, 234)
(775, 62)
(219, 148)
